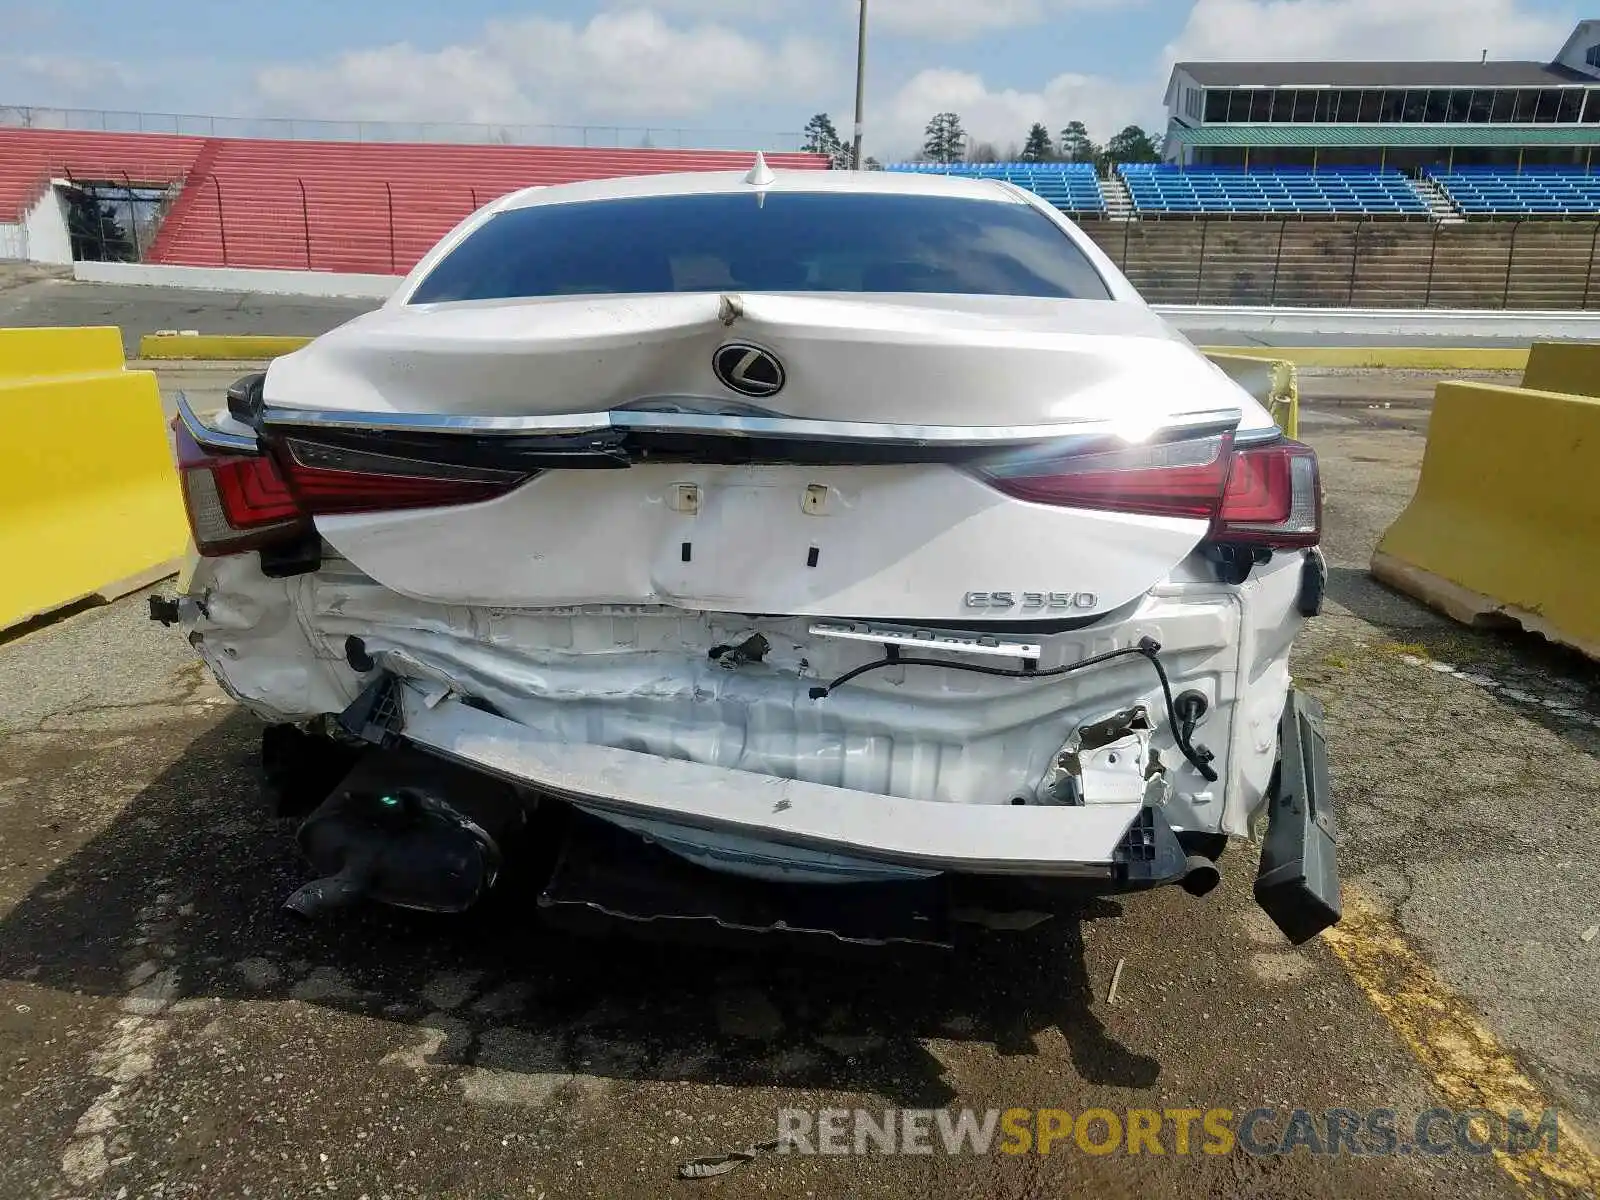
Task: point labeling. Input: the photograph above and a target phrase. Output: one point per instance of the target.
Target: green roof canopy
(1376, 136)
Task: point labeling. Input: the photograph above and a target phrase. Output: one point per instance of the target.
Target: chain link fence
(290, 129)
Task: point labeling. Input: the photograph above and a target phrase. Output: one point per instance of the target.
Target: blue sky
(709, 64)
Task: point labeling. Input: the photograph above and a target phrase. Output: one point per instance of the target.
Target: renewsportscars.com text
(1175, 1131)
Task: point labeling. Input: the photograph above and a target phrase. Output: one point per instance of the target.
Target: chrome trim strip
(983, 644)
(1257, 437)
(211, 438)
(338, 458)
(1197, 424)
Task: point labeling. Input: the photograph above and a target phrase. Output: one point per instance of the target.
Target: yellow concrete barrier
(1570, 367)
(57, 352)
(89, 502)
(217, 346)
(1390, 358)
(1505, 518)
(1273, 382)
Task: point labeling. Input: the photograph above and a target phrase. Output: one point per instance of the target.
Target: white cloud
(1003, 116)
(745, 10)
(1366, 29)
(64, 79)
(957, 20)
(620, 65)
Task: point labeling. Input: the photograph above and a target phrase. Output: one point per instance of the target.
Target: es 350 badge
(1056, 602)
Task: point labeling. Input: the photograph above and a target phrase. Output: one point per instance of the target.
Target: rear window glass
(783, 242)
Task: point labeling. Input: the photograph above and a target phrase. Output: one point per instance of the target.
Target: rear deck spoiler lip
(1177, 427)
(210, 437)
(983, 839)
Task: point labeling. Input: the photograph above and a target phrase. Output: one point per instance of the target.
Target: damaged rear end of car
(838, 587)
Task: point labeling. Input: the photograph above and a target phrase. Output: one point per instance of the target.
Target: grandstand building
(1411, 116)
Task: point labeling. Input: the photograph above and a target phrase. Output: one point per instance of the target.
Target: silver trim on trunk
(208, 437)
(1176, 427)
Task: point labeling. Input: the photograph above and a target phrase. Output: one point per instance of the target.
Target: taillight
(333, 479)
(1266, 495)
(235, 502)
(240, 502)
(1170, 479)
(1273, 498)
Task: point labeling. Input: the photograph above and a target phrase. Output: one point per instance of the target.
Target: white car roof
(705, 183)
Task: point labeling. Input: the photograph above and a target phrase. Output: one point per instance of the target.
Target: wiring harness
(1148, 649)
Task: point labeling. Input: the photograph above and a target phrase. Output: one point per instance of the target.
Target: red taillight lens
(331, 479)
(235, 502)
(1267, 495)
(1273, 498)
(1173, 479)
(244, 501)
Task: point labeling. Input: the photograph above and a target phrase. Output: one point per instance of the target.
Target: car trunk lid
(864, 486)
(981, 361)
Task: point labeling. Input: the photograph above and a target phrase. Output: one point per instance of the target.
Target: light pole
(861, 86)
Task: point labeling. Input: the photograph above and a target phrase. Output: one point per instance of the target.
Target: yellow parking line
(1469, 1068)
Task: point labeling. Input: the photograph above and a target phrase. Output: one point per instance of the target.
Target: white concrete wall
(240, 279)
(13, 240)
(46, 222)
(1384, 322)
(41, 235)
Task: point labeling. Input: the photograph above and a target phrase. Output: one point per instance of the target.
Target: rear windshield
(782, 242)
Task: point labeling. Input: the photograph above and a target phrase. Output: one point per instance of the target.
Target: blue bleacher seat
(1163, 188)
(1071, 187)
(1533, 191)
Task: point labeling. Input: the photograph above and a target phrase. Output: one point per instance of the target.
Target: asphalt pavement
(29, 298)
(166, 1028)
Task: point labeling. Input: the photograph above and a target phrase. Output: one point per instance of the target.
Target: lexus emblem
(748, 369)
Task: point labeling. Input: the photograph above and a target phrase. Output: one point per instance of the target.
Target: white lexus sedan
(795, 536)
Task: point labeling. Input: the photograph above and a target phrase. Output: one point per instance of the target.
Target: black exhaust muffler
(410, 830)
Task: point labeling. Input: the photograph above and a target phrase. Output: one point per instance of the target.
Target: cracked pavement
(166, 1029)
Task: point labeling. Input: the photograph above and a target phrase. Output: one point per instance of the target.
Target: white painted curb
(238, 279)
(1386, 322)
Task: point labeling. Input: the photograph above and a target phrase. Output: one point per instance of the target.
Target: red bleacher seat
(328, 206)
(375, 208)
(30, 158)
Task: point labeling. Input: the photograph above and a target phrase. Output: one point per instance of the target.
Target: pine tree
(947, 140)
(1132, 145)
(823, 138)
(1075, 144)
(1038, 148)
